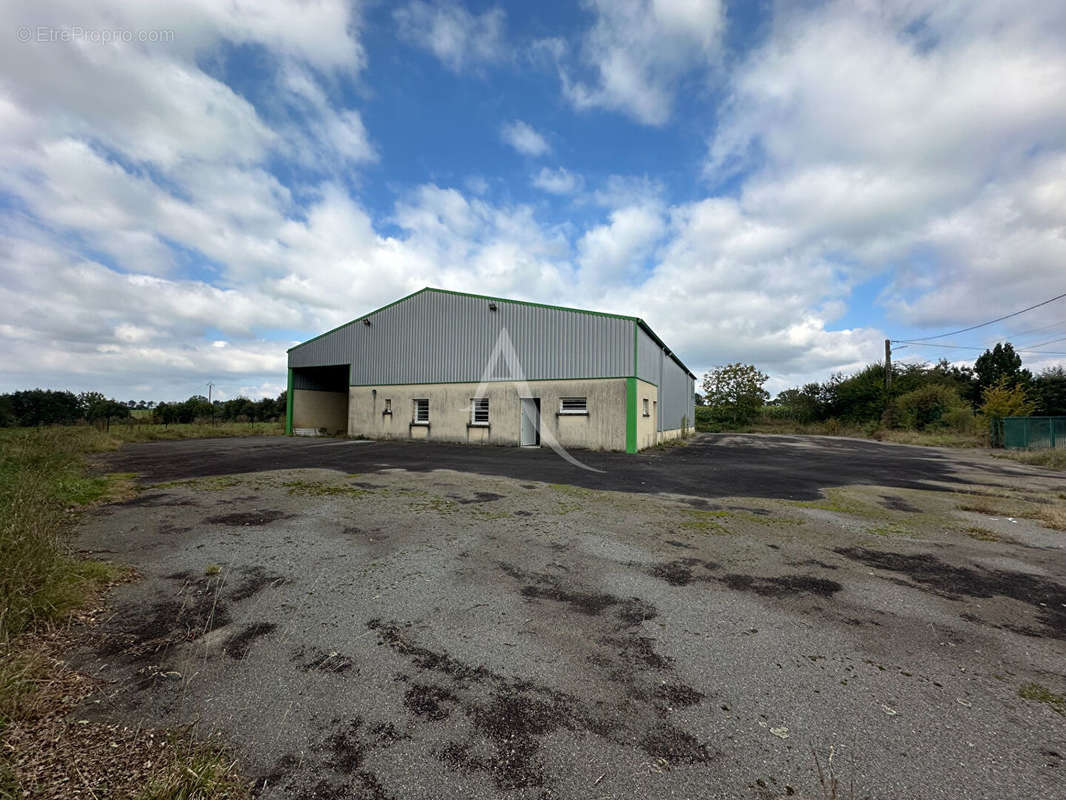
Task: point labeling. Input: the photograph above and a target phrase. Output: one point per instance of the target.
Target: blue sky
(187, 189)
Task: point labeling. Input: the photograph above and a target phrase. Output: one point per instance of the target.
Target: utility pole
(211, 386)
(888, 367)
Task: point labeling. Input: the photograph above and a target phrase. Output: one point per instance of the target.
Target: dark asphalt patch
(1047, 597)
(678, 695)
(432, 703)
(157, 501)
(539, 586)
(253, 581)
(679, 571)
(248, 518)
(783, 467)
(424, 658)
(782, 585)
(315, 660)
(635, 611)
(675, 746)
(141, 634)
(237, 646)
(515, 715)
(346, 750)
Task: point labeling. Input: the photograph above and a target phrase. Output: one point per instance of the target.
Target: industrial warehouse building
(458, 367)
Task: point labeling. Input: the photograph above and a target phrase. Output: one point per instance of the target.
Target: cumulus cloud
(557, 181)
(638, 51)
(455, 36)
(523, 138)
(921, 142)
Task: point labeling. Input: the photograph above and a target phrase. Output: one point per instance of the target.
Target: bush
(930, 406)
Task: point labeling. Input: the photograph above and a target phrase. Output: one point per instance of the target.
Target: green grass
(42, 484)
(321, 489)
(704, 521)
(151, 432)
(1041, 694)
(43, 487)
(982, 534)
(197, 772)
(784, 427)
(1049, 459)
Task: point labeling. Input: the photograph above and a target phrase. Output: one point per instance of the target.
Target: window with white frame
(646, 412)
(573, 405)
(422, 411)
(479, 411)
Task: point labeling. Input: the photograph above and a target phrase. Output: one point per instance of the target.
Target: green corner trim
(288, 406)
(631, 415)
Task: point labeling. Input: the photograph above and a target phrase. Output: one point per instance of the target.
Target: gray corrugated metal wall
(648, 352)
(676, 386)
(676, 397)
(438, 337)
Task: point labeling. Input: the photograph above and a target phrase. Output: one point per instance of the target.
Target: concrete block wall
(603, 428)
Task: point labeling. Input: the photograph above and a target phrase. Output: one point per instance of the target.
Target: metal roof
(643, 325)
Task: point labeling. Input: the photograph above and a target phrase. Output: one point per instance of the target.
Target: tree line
(33, 407)
(920, 396)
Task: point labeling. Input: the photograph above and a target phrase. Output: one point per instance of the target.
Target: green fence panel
(1032, 433)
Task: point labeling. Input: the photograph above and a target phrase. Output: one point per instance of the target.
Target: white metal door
(530, 422)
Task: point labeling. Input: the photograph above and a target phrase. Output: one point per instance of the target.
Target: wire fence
(1032, 433)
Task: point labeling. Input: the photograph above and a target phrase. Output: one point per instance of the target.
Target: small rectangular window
(573, 405)
(422, 411)
(479, 411)
(388, 405)
(646, 414)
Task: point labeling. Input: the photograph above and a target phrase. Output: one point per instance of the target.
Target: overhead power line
(1049, 341)
(981, 325)
(936, 346)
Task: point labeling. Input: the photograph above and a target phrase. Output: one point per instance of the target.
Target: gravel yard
(390, 621)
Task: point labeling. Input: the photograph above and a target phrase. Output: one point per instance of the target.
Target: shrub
(929, 406)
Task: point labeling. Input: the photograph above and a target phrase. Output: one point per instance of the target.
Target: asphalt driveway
(713, 465)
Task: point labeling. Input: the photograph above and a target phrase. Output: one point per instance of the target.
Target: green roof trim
(637, 320)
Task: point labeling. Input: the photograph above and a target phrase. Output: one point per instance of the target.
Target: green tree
(734, 392)
(997, 365)
(1001, 401)
(1048, 391)
(934, 405)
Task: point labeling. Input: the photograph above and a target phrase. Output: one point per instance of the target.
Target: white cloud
(913, 128)
(639, 52)
(557, 181)
(920, 138)
(616, 252)
(454, 35)
(523, 138)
